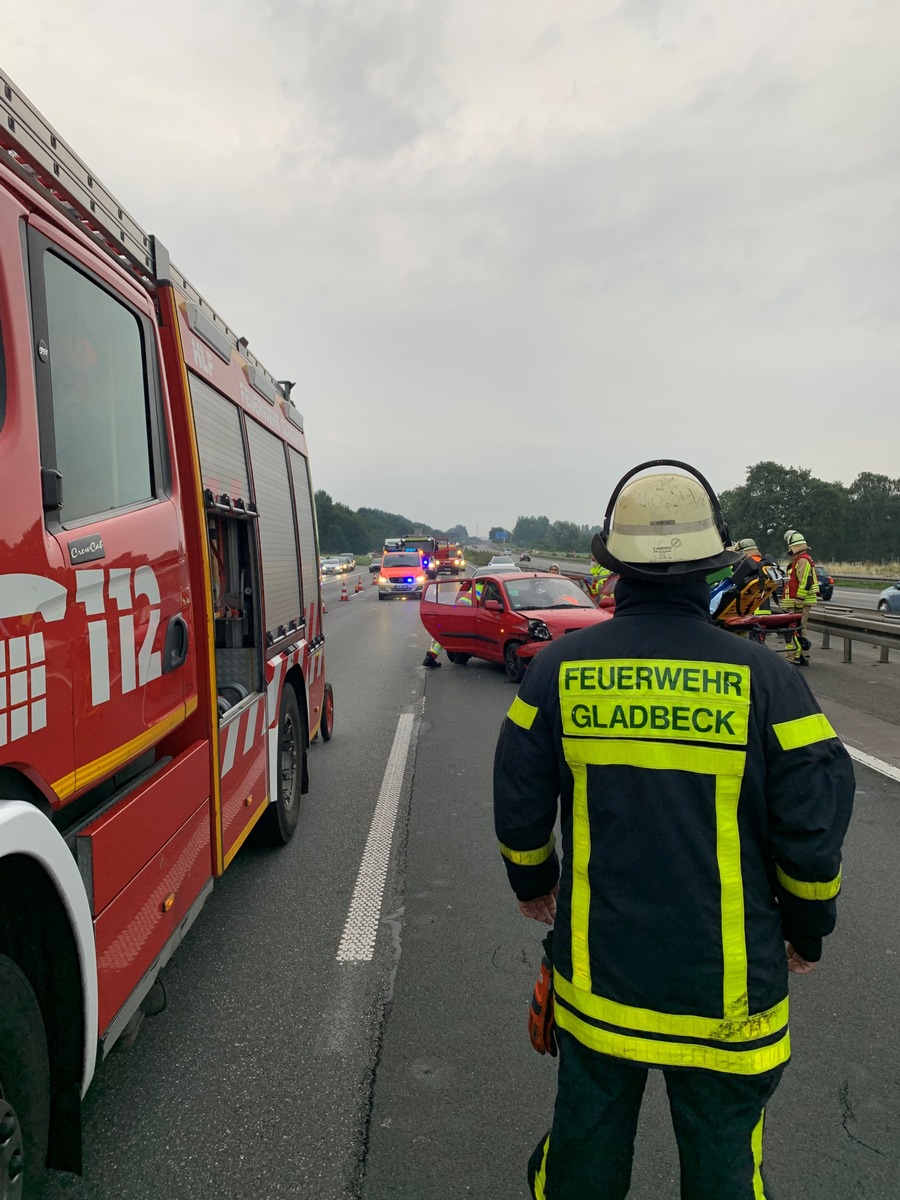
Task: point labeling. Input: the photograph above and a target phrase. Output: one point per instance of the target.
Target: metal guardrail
(846, 623)
(883, 580)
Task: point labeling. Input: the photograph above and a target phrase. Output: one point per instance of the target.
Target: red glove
(540, 1011)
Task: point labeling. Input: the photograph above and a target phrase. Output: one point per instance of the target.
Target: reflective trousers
(587, 1154)
(799, 645)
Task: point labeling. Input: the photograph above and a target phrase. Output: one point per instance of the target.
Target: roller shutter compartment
(306, 522)
(278, 545)
(223, 462)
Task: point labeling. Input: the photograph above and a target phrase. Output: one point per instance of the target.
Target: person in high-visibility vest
(598, 576)
(703, 799)
(800, 594)
(463, 598)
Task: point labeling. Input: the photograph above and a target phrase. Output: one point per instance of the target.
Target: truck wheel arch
(36, 863)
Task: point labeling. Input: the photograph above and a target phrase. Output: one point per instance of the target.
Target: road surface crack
(849, 1115)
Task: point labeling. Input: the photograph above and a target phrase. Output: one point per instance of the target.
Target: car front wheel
(515, 667)
(882, 606)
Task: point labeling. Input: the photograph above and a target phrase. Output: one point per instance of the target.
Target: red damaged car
(505, 618)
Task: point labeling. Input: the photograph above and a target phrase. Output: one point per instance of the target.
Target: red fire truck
(161, 645)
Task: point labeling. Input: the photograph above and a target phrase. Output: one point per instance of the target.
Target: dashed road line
(361, 927)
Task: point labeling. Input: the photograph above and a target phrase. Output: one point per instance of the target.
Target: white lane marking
(361, 926)
(875, 763)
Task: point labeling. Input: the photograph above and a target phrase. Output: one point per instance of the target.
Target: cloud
(510, 250)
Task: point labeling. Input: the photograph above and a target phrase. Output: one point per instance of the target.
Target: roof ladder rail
(40, 153)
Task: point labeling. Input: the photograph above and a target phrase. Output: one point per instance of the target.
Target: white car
(332, 566)
(348, 560)
(500, 560)
(500, 568)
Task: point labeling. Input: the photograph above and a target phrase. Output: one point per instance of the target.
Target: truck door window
(99, 397)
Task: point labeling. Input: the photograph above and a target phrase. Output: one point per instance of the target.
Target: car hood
(401, 572)
(563, 620)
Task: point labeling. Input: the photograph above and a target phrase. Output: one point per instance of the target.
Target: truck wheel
(276, 827)
(457, 657)
(327, 726)
(515, 668)
(24, 1085)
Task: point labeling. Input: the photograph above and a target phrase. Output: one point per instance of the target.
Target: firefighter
(598, 576)
(463, 598)
(800, 593)
(431, 655)
(747, 548)
(703, 799)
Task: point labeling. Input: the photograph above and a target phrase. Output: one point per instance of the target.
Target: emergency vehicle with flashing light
(448, 557)
(402, 573)
(161, 646)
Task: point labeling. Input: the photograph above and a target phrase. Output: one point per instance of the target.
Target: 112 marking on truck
(161, 646)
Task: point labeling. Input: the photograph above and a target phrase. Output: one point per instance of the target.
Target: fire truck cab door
(105, 451)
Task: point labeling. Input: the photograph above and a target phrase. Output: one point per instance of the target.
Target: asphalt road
(277, 1071)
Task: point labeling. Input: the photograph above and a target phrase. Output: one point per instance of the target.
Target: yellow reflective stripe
(529, 858)
(804, 731)
(674, 1054)
(734, 941)
(522, 714)
(728, 767)
(809, 891)
(756, 1143)
(646, 1020)
(110, 762)
(701, 760)
(581, 883)
(541, 1178)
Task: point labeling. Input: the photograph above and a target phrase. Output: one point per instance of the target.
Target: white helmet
(663, 526)
(795, 541)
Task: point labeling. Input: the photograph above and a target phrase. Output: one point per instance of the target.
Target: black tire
(327, 726)
(380, 597)
(277, 825)
(24, 1085)
(515, 668)
(457, 657)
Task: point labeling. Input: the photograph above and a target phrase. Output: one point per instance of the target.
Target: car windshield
(400, 560)
(546, 593)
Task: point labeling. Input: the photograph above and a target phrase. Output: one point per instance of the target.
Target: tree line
(859, 523)
(341, 528)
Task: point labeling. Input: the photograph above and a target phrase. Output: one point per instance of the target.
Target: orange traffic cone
(375, 579)
(344, 595)
(359, 586)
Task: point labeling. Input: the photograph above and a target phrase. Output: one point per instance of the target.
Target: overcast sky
(510, 248)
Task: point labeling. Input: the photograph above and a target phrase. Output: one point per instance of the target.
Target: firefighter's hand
(796, 964)
(542, 908)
